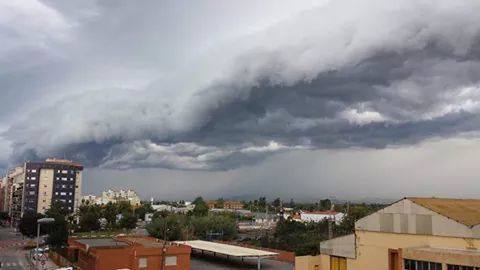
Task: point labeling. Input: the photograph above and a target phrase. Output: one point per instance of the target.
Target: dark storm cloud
(345, 74)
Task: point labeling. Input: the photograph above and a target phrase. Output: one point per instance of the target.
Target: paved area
(12, 254)
(209, 262)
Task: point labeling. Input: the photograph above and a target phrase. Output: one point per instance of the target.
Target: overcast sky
(297, 99)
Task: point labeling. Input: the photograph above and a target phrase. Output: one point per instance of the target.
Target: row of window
(65, 171)
(63, 193)
(169, 261)
(64, 178)
(423, 265)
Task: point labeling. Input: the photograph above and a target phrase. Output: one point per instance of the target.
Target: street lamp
(39, 222)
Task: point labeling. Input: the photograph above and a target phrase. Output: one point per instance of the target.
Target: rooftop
(102, 242)
(226, 249)
(464, 211)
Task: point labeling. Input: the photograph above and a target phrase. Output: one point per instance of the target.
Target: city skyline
(302, 100)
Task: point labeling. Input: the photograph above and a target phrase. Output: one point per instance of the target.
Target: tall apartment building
(34, 186)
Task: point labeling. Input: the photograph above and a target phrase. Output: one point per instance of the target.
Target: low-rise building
(129, 252)
(411, 234)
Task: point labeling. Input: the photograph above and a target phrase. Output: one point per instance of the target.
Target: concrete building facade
(411, 234)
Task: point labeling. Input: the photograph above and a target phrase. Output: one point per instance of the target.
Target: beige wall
(45, 187)
(309, 262)
(78, 191)
(372, 247)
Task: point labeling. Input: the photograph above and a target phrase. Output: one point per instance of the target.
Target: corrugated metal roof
(464, 211)
(227, 249)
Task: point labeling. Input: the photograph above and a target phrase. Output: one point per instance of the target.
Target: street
(12, 254)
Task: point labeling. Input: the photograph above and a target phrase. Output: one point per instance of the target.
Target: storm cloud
(136, 91)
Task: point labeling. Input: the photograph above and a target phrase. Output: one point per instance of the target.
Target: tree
(58, 231)
(201, 207)
(325, 205)
(142, 210)
(89, 217)
(128, 221)
(110, 212)
(277, 202)
(215, 226)
(168, 227)
(28, 224)
(219, 203)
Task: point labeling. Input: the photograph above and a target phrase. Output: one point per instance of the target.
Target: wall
(407, 217)
(312, 262)
(45, 187)
(372, 247)
(78, 191)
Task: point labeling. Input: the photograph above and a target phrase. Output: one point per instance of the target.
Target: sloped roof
(464, 211)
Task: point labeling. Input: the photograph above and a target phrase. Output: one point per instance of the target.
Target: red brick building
(135, 253)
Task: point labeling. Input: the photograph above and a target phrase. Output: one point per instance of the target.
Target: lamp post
(39, 222)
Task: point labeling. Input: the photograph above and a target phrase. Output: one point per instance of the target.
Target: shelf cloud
(133, 90)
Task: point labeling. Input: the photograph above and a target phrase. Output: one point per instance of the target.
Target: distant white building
(90, 199)
(121, 195)
(318, 216)
(173, 209)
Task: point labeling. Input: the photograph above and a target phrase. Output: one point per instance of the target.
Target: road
(12, 254)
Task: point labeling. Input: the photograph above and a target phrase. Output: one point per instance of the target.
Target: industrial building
(411, 234)
(34, 186)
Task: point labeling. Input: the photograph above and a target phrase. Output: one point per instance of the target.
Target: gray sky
(302, 99)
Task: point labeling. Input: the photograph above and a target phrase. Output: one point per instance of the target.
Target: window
(63, 193)
(461, 267)
(70, 193)
(64, 178)
(33, 178)
(64, 171)
(56, 193)
(32, 185)
(142, 262)
(421, 265)
(31, 192)
(34, 171)
(170, 260)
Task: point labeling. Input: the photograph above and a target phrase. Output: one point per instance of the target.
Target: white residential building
(121, 195)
